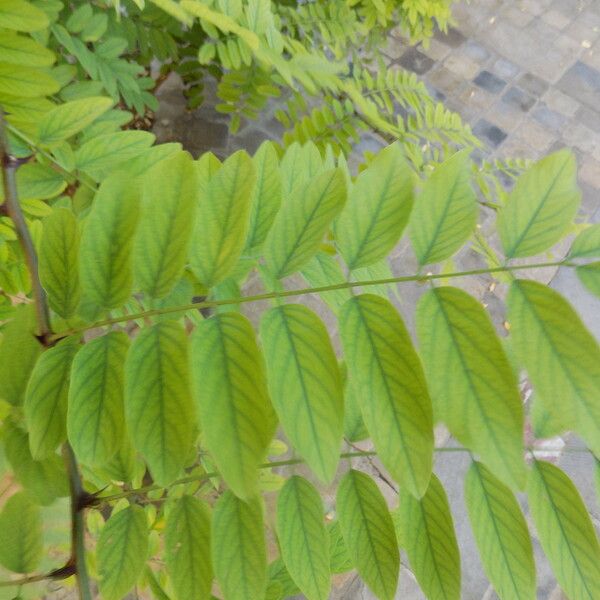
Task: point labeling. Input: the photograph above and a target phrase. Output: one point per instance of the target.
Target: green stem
(303, 291)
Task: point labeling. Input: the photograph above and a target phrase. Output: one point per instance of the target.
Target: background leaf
(389, 380)
(231, 395)
(501, 534)
(95, 415)
(445, 211)
(303, 539)
(541, 206)
(369, 533)
(187, 548)
(158, 405)
(122, 552)
(305, 384)
(430, 541)
(565, 531)
(238, 548)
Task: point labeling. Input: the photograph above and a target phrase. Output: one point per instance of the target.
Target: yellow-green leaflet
(22, 16)
(369, 533)
(589, 275)
(221, 222)
(299, 165)
(340, 559)
(323, 269)
(70, 118)
(95, 419)
(231, 394)
(21, 50)
(59, 261)
(122, 551)
(587, 243)
(45, 405)
(35, 180)
(302, 222)
(427, 534)
(377, 211)
(303, 539)
(445, 211)
(266, 196)
(206, 166)
(19, 350)
(305, 384)
(28, 82)
(43, 480)
(187, 548)
(169, 201)
(391, 387)
(541, 206)
(21, 544)
(238, 547)
(565, 531)
(472, 384)
(354, 426)
(501, 534)
(565, 366)
(158, 402)
(105, 256)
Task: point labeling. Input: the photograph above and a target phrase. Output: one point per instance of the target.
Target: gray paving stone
(476, 52)
(445, 80)
(505, 69)
(489, 82)
(489, 133)
(550, 119)
(590, 118)
(532, 84)
(453, 37)
(415, 61)
(582, 82)
(518, 98)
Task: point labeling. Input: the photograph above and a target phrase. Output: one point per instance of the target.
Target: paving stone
(577, 135)
(516, 147)
(532, 84)
(462, 66)
(590, 172)
(475, 51)
(536, 135)
(489, 133)
(519, 99)
(517, 17)
(588, 117)
(560, 102)
(416, 61)
(446, 81)
(395, 48)
(453, 37)
(489, 82)
(475, 98)
(505, 69)
(505, 116)
(556, 18)
(549, 118)
(585, 28)
(436, 50)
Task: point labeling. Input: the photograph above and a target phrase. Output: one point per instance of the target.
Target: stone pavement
(526, 75)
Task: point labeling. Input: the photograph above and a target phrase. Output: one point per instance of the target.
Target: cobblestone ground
(526, 75)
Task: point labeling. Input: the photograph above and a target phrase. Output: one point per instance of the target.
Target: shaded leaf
(587, 243)
(589, 275)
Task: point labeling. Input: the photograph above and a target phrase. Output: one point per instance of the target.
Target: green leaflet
(45, 403)
(445, 211)
(354, 426)
(59, 261)
(231, 395)
(565, 366)
(95, 414)
(187, 548)
(206, 166)
(541, 206)
(305, 384)
(27, 82)
(122, 551)
(472, 384)
(105, 255)
(221, 222)
(377, 211)
(427, 534)
(238, 548)
(43, 480)
(20, 50)
(21, 544)
(590, 277)
(299, 165)
(340, 559)
(70, 118)
(35, 180)
(169, 200)
(302, 222)
(303, 539)
(389, 379)
(587, 243)
(565, 531)
(22, 16)
(369, 533)
(501, 534)
(19, 350)
(158, 405)
(266, 196)
(322, 270)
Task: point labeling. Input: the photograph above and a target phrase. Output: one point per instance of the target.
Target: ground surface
(526, 75)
